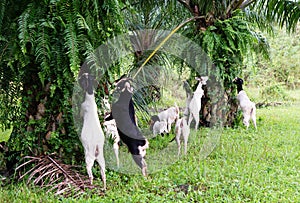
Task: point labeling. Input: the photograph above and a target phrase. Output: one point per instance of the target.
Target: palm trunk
(218, 107)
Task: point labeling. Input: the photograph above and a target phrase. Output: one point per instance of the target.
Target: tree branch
(166, 39)
(233, 6)
(186, 3)
(246, 3)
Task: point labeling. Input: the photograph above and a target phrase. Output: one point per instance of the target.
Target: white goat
(92, 137)
(160, 127)
(195, 104)
(182, 131)
(106, 104)
(189, 94)
(248, 107)
(169, 115)
(110, 128)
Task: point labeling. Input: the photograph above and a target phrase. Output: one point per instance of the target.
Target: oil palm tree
(43, 45)
(229, 31)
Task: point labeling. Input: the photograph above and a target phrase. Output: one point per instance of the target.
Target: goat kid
(169, 115)
(160, 127)
(110, 128)
(189, 95)
(124, 114)
(248, 107)
(182, 131)
(195, 104)
(92, 137)
(111, 131)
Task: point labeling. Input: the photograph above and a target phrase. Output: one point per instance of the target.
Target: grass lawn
(246, 166)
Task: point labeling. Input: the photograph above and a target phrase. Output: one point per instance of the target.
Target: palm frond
(283, 12)
(81, 23)
(43, 52)
(71, 44)
(2, 11)
(259, 20)
(48, 172)
(23, 29)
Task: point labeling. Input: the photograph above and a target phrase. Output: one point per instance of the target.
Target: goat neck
(126, 96)
(239, 87)
(199, 89)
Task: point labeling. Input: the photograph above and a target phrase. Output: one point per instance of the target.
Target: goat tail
(253, 110)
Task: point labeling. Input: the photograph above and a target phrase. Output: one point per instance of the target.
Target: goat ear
(204, 79)
(95, 82)
(242, 81)
(83, 81)
(121, 78)
(196, 78)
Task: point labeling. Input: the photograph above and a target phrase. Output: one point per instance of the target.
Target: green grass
(246, 166)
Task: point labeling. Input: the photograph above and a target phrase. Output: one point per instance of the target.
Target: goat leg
(140, 161)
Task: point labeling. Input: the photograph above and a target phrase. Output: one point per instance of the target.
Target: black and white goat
(248, 107)
(124, 114)
(195, 103)
(92, 137)
(182, 132)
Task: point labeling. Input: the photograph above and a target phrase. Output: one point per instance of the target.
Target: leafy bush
(274, 92)
(282, 72)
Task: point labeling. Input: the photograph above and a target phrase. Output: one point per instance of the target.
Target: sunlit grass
(245, 166)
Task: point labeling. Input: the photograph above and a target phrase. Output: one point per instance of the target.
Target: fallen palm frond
(55, 176)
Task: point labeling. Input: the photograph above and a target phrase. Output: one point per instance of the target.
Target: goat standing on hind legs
(124, 115)
(248, 107)
(195, 103)
(92, 137)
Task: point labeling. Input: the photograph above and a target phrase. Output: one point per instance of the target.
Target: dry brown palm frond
(50, 173)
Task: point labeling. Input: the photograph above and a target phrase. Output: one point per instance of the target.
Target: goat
(169, 115)
(189, 95)
(195, 104)
(106, 104)
(110, 127)
(248, 107)
(124, 114)
(92, 137)
(160, 127)
(182, 130)
(111, 131)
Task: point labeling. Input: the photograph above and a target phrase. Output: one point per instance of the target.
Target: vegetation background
(44, 43)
